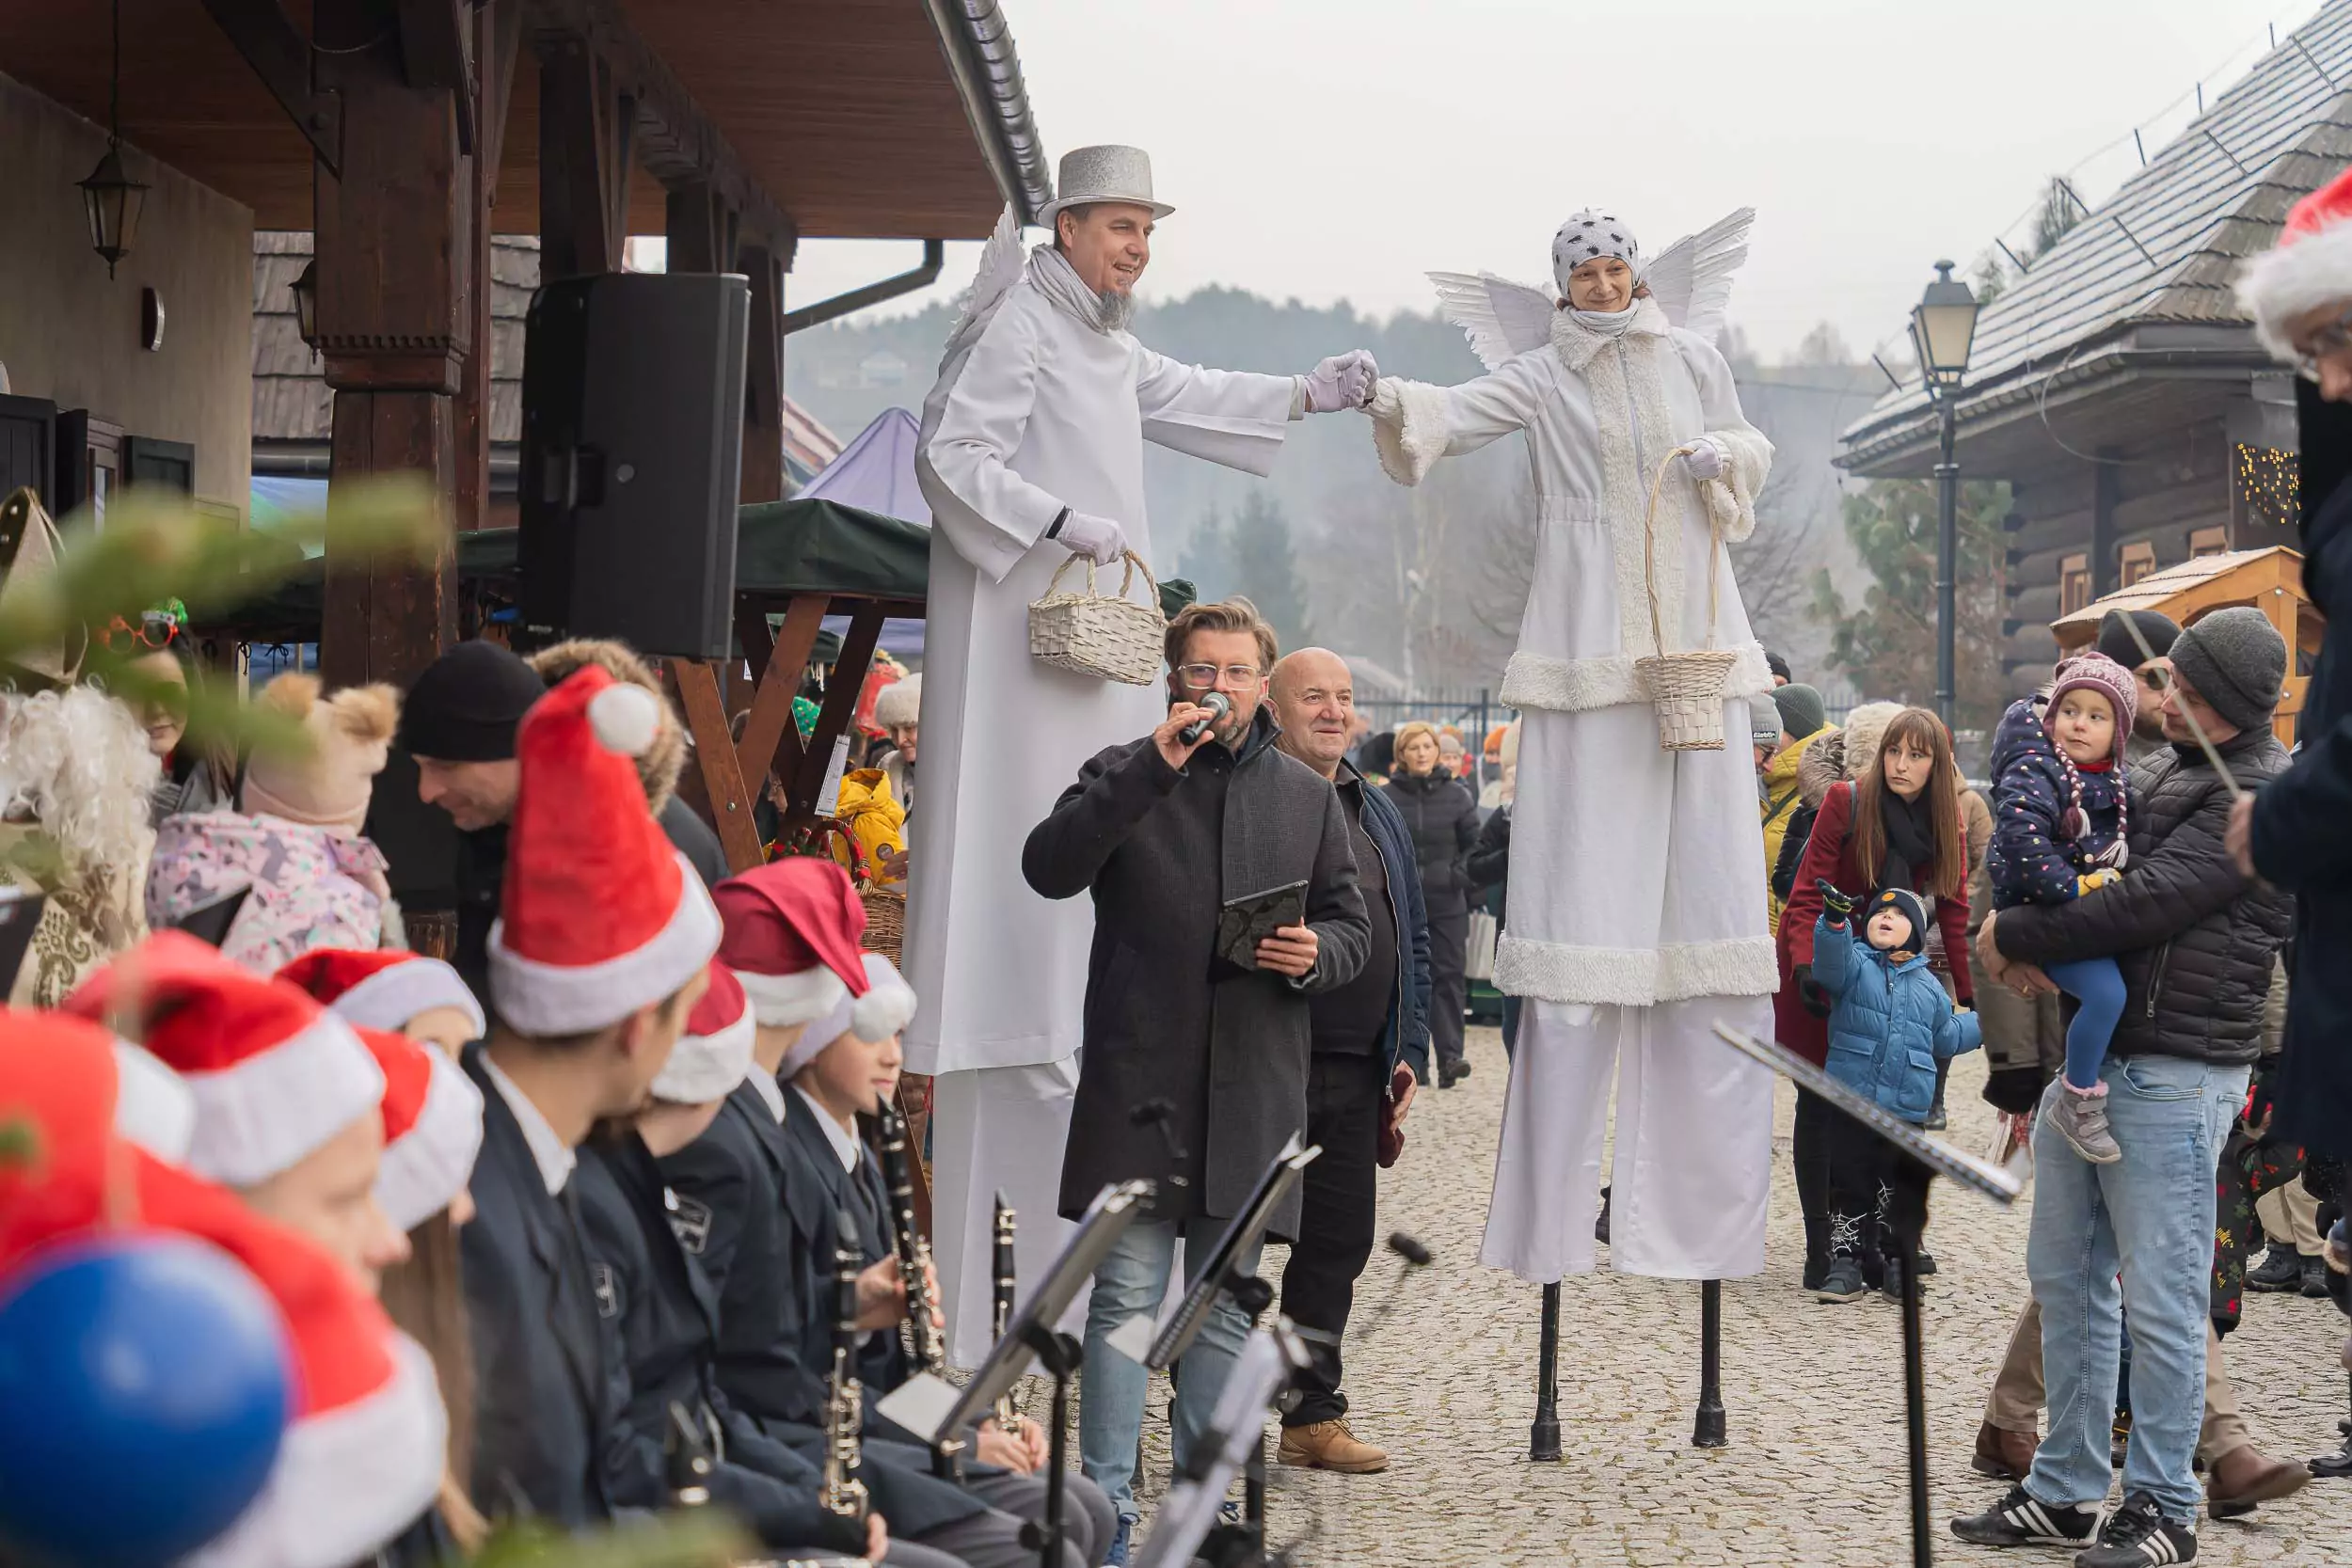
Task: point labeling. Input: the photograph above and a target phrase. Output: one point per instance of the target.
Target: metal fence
(1470, 713)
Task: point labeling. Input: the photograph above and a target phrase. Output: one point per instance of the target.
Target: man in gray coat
(1165, 832)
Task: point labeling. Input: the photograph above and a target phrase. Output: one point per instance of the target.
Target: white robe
(1637, 875)
(1044, 412)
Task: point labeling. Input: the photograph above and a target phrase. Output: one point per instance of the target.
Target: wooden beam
(262, 32)
(499, 48)
(832, 722)
(385, 620)
(700, 227)
(435, 54)
(762, 477)
(772, 742)
(714, 755)
(579, 233)
(490, 79)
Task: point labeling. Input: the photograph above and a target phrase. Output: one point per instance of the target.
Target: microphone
(1407, 1248)
(1218, 706)
(1416, 1255)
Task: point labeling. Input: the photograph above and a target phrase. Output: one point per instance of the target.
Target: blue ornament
(147, 1380)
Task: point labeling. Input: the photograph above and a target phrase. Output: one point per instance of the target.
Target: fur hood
(663, 761)
(1837, 755)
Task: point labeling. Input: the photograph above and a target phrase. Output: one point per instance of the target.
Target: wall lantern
(110, 197)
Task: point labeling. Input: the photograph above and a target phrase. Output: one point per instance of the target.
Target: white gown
(1042, 412)
(1637, 914)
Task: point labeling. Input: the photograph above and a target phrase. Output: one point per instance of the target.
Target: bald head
(1314, 700)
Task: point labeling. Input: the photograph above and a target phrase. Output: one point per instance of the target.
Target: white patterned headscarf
(1589, 235)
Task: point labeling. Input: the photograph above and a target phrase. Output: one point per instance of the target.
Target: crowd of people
(591, 1221)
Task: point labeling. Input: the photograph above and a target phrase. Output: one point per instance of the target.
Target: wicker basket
(1111, 638)
(885, 908)
(1687, 688)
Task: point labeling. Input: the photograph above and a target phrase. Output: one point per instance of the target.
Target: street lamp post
(1943, 328)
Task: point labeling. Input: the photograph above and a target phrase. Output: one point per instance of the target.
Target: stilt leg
(1707, 1432)
(1543, 1439)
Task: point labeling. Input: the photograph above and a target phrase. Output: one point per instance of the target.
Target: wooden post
(841, 694)
(395, 232)
(763, 400)
(714, 755)
(587, 132)
(497, 41)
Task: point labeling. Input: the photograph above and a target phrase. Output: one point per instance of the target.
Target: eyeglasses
(1203, 676)
(2155, 677)
(157, 628)
(2329, 341)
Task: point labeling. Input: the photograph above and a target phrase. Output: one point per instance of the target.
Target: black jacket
(1489, 864)
(1407, 1039)
(1441, 814)
(539, 1366)
(2194, 937)
(1166, 1018)
(660, 1317)
(2303, 843)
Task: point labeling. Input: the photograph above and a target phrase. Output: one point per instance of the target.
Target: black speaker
(633, 458)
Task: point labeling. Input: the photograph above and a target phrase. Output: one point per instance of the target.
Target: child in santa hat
(362, 1457)
(2061, 811)
(405, 993)
(1890, 1022)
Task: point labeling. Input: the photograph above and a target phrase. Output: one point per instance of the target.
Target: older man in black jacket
(2195, 939)
(1165, 832)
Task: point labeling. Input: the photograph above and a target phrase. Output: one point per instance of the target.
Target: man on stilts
(1642, 922)
(1032, 450)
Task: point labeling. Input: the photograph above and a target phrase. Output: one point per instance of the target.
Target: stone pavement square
(1815, 1471)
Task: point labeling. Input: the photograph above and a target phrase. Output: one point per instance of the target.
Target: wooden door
(28, 447)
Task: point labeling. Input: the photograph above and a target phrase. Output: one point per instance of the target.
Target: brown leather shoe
(2003, 1455)
(2244, 1477)
(1329, 1446)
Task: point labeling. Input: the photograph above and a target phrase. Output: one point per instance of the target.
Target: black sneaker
(1816, 1270)
(2021, 1519)
(1891, 1277)
(2139, 1536)
(2282, 1269)
(1842, 1282)
(1927, 1262)
(2314, 1277)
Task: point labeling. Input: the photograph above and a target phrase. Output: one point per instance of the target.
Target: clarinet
(843, 1493)
(1007, 1415)
(914, 1252)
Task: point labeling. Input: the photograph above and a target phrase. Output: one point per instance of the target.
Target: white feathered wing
(1001, 262)
(1691, 278)
(1501, 318)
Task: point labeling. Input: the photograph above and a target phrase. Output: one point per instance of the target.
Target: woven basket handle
(818, 831)
(1126, 580)
(1649, 554)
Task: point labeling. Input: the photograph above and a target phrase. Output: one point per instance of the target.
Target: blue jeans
(1130, 1282)
(2149, 1216)
(2098, 985)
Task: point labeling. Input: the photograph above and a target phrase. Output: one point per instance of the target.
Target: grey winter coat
(2194, 937)
(1166, 1019)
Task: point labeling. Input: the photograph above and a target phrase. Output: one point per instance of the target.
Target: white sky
(1338, 149)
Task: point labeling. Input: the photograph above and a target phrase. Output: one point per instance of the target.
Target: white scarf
(1608, 324)
(1059, 282)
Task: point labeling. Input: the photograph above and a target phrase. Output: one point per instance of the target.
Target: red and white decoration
(2310, 265)
(886, 1009)
(383, 990)
(792, 930)
(715, 1052)
(600, 915)
(432, 1127)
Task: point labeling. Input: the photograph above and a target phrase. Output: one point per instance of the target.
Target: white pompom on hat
(2310, 266)
(886, 1009)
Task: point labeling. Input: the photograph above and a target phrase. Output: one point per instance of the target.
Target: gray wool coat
(1161, 851)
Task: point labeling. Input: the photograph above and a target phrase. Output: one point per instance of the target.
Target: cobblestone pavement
(1815, 1471)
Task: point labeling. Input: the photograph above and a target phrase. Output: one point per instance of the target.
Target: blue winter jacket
(1891, 1022)
(2031, 862)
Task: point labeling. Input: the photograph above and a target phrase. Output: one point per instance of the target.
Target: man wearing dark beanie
(2147, 665)
(2238, 662)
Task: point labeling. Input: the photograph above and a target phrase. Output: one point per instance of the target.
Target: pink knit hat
(2096, 671)
(330, 783)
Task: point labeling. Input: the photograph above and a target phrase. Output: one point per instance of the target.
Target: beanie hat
(468, 704)
(1588, 235)
(274, 1074)
(1909, 906)
(1801, 711)
(886, 1009)
(327, 783)
(2117, 642)
(365, 1450)
(432, 1127)
(792, 932)
(600, 916)
(899, 703)
(382, 989)
(1778, 666)
(2309, 267)
(2236, 662)
(715, 1052)
(2096, 671)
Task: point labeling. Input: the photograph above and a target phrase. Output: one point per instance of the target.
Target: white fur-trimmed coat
(1601, 414)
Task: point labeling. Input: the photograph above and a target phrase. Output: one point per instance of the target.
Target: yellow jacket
(875, 818)
(1779, 805)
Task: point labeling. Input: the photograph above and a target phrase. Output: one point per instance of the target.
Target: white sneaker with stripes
(2021, 1519)
(2139, 1536)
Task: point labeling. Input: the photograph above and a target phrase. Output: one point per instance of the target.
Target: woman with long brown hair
(1897, 823)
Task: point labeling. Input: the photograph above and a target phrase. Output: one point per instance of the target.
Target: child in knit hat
(1890, 1024)
(2061, 808)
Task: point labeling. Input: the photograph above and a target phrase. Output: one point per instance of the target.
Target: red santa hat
(600, 915)
(432, 1127)
(274, 1074)
(2309, 267)
(365, 1452)
(886, 1009)
(715, 1052)
(154, 1107)
(382, 989)
(792, 932)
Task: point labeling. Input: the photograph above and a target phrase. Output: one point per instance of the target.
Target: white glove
(1343, 381)
(1705, 460)
(1098, 539)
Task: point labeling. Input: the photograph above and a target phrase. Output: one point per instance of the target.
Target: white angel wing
(1691, 278)
(1001, 260)
(1502, 319)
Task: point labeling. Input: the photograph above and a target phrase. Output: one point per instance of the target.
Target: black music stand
(928, 1406)
(1937, 1158)
(1272, 1356)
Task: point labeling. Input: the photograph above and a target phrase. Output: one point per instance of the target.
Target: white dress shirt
(549, 1152)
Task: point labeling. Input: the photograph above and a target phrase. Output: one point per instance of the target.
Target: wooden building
(2118, 386)
(403, 135)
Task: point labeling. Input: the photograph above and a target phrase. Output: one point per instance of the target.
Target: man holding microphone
(1167, 832)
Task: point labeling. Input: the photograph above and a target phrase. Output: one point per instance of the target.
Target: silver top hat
(1090, 174)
